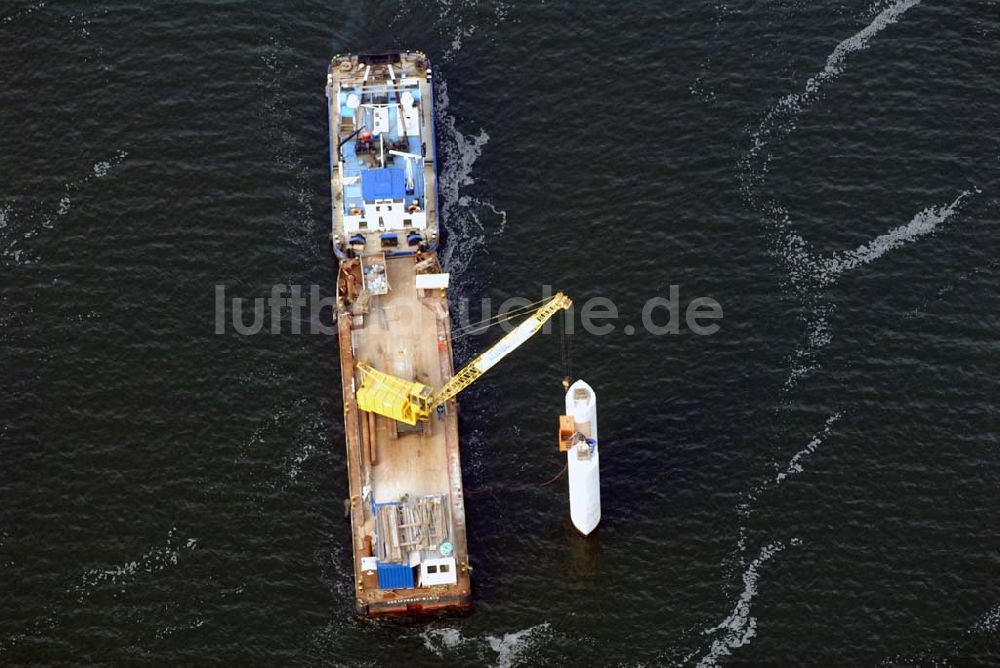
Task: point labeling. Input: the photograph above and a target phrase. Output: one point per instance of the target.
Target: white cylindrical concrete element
(583, 459)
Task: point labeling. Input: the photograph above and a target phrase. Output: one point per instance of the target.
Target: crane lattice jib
(508, 344)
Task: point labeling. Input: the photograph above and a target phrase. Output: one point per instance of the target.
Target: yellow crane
(409, 401)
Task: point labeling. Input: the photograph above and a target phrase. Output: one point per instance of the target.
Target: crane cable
(566, 352)
(486, 323)
(501, 317)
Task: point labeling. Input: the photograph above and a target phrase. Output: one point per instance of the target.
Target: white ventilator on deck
(583, 458)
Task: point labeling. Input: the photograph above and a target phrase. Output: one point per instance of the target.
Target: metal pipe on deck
(373, 447)
(366, 436)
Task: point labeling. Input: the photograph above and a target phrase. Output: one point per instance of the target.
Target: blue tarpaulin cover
(386, 183)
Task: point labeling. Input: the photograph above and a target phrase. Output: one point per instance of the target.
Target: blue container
(395, 576)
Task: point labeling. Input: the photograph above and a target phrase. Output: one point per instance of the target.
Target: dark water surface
(815, 483)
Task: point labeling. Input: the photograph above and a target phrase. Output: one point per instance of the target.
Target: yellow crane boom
(409, 401)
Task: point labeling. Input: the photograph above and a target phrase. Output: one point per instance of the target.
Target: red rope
(516, 488)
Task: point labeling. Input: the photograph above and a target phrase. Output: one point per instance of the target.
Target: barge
(399, 385)
(406, 503)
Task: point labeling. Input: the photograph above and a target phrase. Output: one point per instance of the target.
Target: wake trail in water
(795, 464)
(740, 626)
(776, 123)
(286, 152)
(961, 279)
(808, 269)
(922, 224)
(122, 575)
(297, 428)
(20, 13)
(462, 215)
(989, 622)
(745, 508)
(808, 272)
(17, 231)
(470, 221)
(119, 577)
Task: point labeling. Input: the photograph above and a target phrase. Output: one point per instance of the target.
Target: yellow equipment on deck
(409, 401)
(403, 400)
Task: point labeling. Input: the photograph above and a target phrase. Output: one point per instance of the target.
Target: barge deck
(406, 503)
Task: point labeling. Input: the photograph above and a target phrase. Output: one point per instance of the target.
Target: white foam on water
(795, 463)
(469, 221)
(294, 467)
(807, 272)
(931, 655)
(960, 280)
(286, 150)
(332, 560)
(439, 640)
(511, 646)
(81, 23)
(988, 623)
(740, 627)
(699, 88)
(779, 121)
(34, 628)
(456, 41)
(30, 9)
(171, 629)
(810, 273)
(794, 466)
(922, 224)
(122, 575)
(311, 437)
(818, 334)
(460, 213)
(451, 19)
(8, 245)
(12, 236)
(259, 436)
(501, 651)
(104, 167)
(746, 507)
